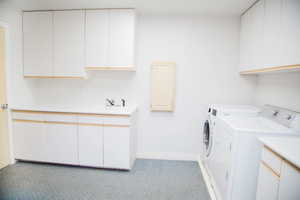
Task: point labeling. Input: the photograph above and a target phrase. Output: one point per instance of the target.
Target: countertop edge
(282, 153)
(130, 111)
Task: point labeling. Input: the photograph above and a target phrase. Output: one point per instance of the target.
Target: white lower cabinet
(289, 183)
(117, 147)
(268, 184)
(95, 141)
(90, 145)
(61, 143)
(29, 140)
(274, 184)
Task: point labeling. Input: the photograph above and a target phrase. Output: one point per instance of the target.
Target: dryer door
(207, 138)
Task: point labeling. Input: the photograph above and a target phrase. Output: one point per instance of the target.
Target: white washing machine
(234, 161)
(216, 111)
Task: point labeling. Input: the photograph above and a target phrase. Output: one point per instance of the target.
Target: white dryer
(216, 111)
(234, 161)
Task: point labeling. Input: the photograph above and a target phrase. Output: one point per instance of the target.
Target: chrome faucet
(123, 102)
(275, 113)
(110, 102)
(289, 117)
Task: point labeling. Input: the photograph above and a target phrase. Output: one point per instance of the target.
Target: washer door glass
(207, 137)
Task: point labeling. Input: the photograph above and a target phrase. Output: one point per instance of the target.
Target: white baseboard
(207, 181)
(168, 156)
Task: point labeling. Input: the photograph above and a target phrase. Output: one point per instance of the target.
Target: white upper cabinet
(121, 40)
(110, 38)
(69, 43)
(291, 32)
(257, 32)
(38, 41)
(252, 37)
(245, 42)
(272, 42)
(63, 44)
(97, 38)
(270, 36)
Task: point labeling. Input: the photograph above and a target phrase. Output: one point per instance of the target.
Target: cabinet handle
(270, 169)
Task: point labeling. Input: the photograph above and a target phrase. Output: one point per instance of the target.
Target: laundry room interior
(154, 100)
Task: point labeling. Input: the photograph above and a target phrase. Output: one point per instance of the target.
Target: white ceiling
(208, 7)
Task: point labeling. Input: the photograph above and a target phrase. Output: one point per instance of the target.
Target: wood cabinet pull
(270, 169)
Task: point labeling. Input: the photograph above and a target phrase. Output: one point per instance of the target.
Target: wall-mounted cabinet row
(110, 38)
(270, 39)
(96, 141)
(66, 43)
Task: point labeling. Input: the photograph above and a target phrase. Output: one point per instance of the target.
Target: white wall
(206, 52)
(19, 90)
(282, 89)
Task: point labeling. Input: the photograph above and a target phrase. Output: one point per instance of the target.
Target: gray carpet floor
(148, 180)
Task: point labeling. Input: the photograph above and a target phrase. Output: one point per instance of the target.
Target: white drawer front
(272, 160)
(28, 116)
(90, 119)
(116, 120)
(61, 118)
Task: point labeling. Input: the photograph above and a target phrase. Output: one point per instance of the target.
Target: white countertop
(287, 147)
(79, 109)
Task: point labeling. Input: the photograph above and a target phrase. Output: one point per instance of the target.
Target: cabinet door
(122, 34)
(291, 32)
(245, 42)
(90, 145)
(97, 35)
(252, 30)
(116, 147)
(61, 143)
(38, 43)
(289, 183)
(69, 43)
(29, 140)
(268, 183)
(163, 83)
(272, 33)
(256, 37)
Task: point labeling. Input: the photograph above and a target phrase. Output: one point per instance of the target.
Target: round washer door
(207, 138)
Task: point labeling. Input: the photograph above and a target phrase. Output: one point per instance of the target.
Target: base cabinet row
(278, 179)
(85, 145)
